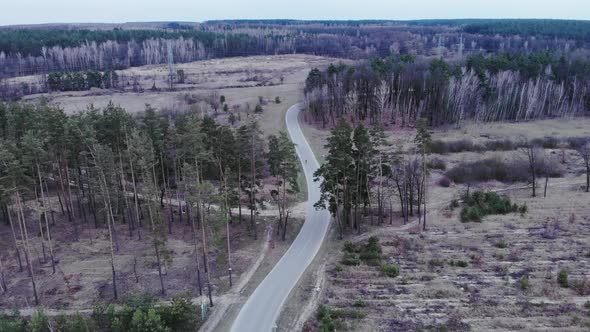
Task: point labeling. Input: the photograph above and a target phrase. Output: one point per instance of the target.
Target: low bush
(501, 244)
(499, 145)
(350, 259)
(390, 270)
(347, 313)
(582, 287)
(39, 322)
(444, 182)
(488, 170)
(328, 317)
(144, 313)
(371, 252)
(466, 145)
(444, 147)
(480, 204)
(469, 213)
(437, 163)
(75, 323)
(324, 317)
(359, 303)
(524, 283)
(13, 322)
(459, 263)
(562, 278)
(435, 262)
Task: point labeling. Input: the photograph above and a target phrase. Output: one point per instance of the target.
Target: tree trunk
(25, 237)
(194, 234)
(239, 189)
(2, 278)
(70, 201)
(63, 190)
(546, 183)
(20, 263)
(252, 194)
(107, 205)
(46, 220)
(587, 177)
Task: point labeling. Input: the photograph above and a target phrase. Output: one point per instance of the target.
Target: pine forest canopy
(125, 168)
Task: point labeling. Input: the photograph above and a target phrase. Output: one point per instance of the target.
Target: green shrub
(480, 204)
(350, 247)
(324, 317)
(390, 270)
(359, 303)
(523, 209)
(587, 305)
(470, 214)
(459, 263)
(437, 163)
(75, 323)
(150, 321)
(180, 315)
(436, 263)
(39, 322)
(371, 253)
(524, 282)
(350, 259)
(562, 278)
(12, 322)
(501, 244)
(347, 313)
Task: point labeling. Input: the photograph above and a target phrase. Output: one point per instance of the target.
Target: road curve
(262, 309)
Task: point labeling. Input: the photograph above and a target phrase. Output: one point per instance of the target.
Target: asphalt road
(262, 309)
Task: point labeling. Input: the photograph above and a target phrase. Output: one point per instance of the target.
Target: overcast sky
(52, 11)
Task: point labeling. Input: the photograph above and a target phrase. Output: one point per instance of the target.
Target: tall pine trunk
(48, 231)
(25, 237)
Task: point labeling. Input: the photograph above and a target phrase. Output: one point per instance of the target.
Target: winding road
(262, 309)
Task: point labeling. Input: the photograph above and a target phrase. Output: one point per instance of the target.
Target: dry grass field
(500, 274)
(241, 80)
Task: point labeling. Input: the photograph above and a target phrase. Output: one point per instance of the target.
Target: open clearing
(486, 292)
(241, 80)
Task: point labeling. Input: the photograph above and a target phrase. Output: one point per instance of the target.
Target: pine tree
(337, 175)
(423, 141)
(283, 164)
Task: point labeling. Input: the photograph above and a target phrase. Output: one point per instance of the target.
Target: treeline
(80, 81)
(568, 29)
(36, 51)
(399, 90)
(89, 50)
(32, 41)
(108, 169)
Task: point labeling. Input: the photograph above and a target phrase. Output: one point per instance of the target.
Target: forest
(50, 49)
(399, 90)
(103, 171)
